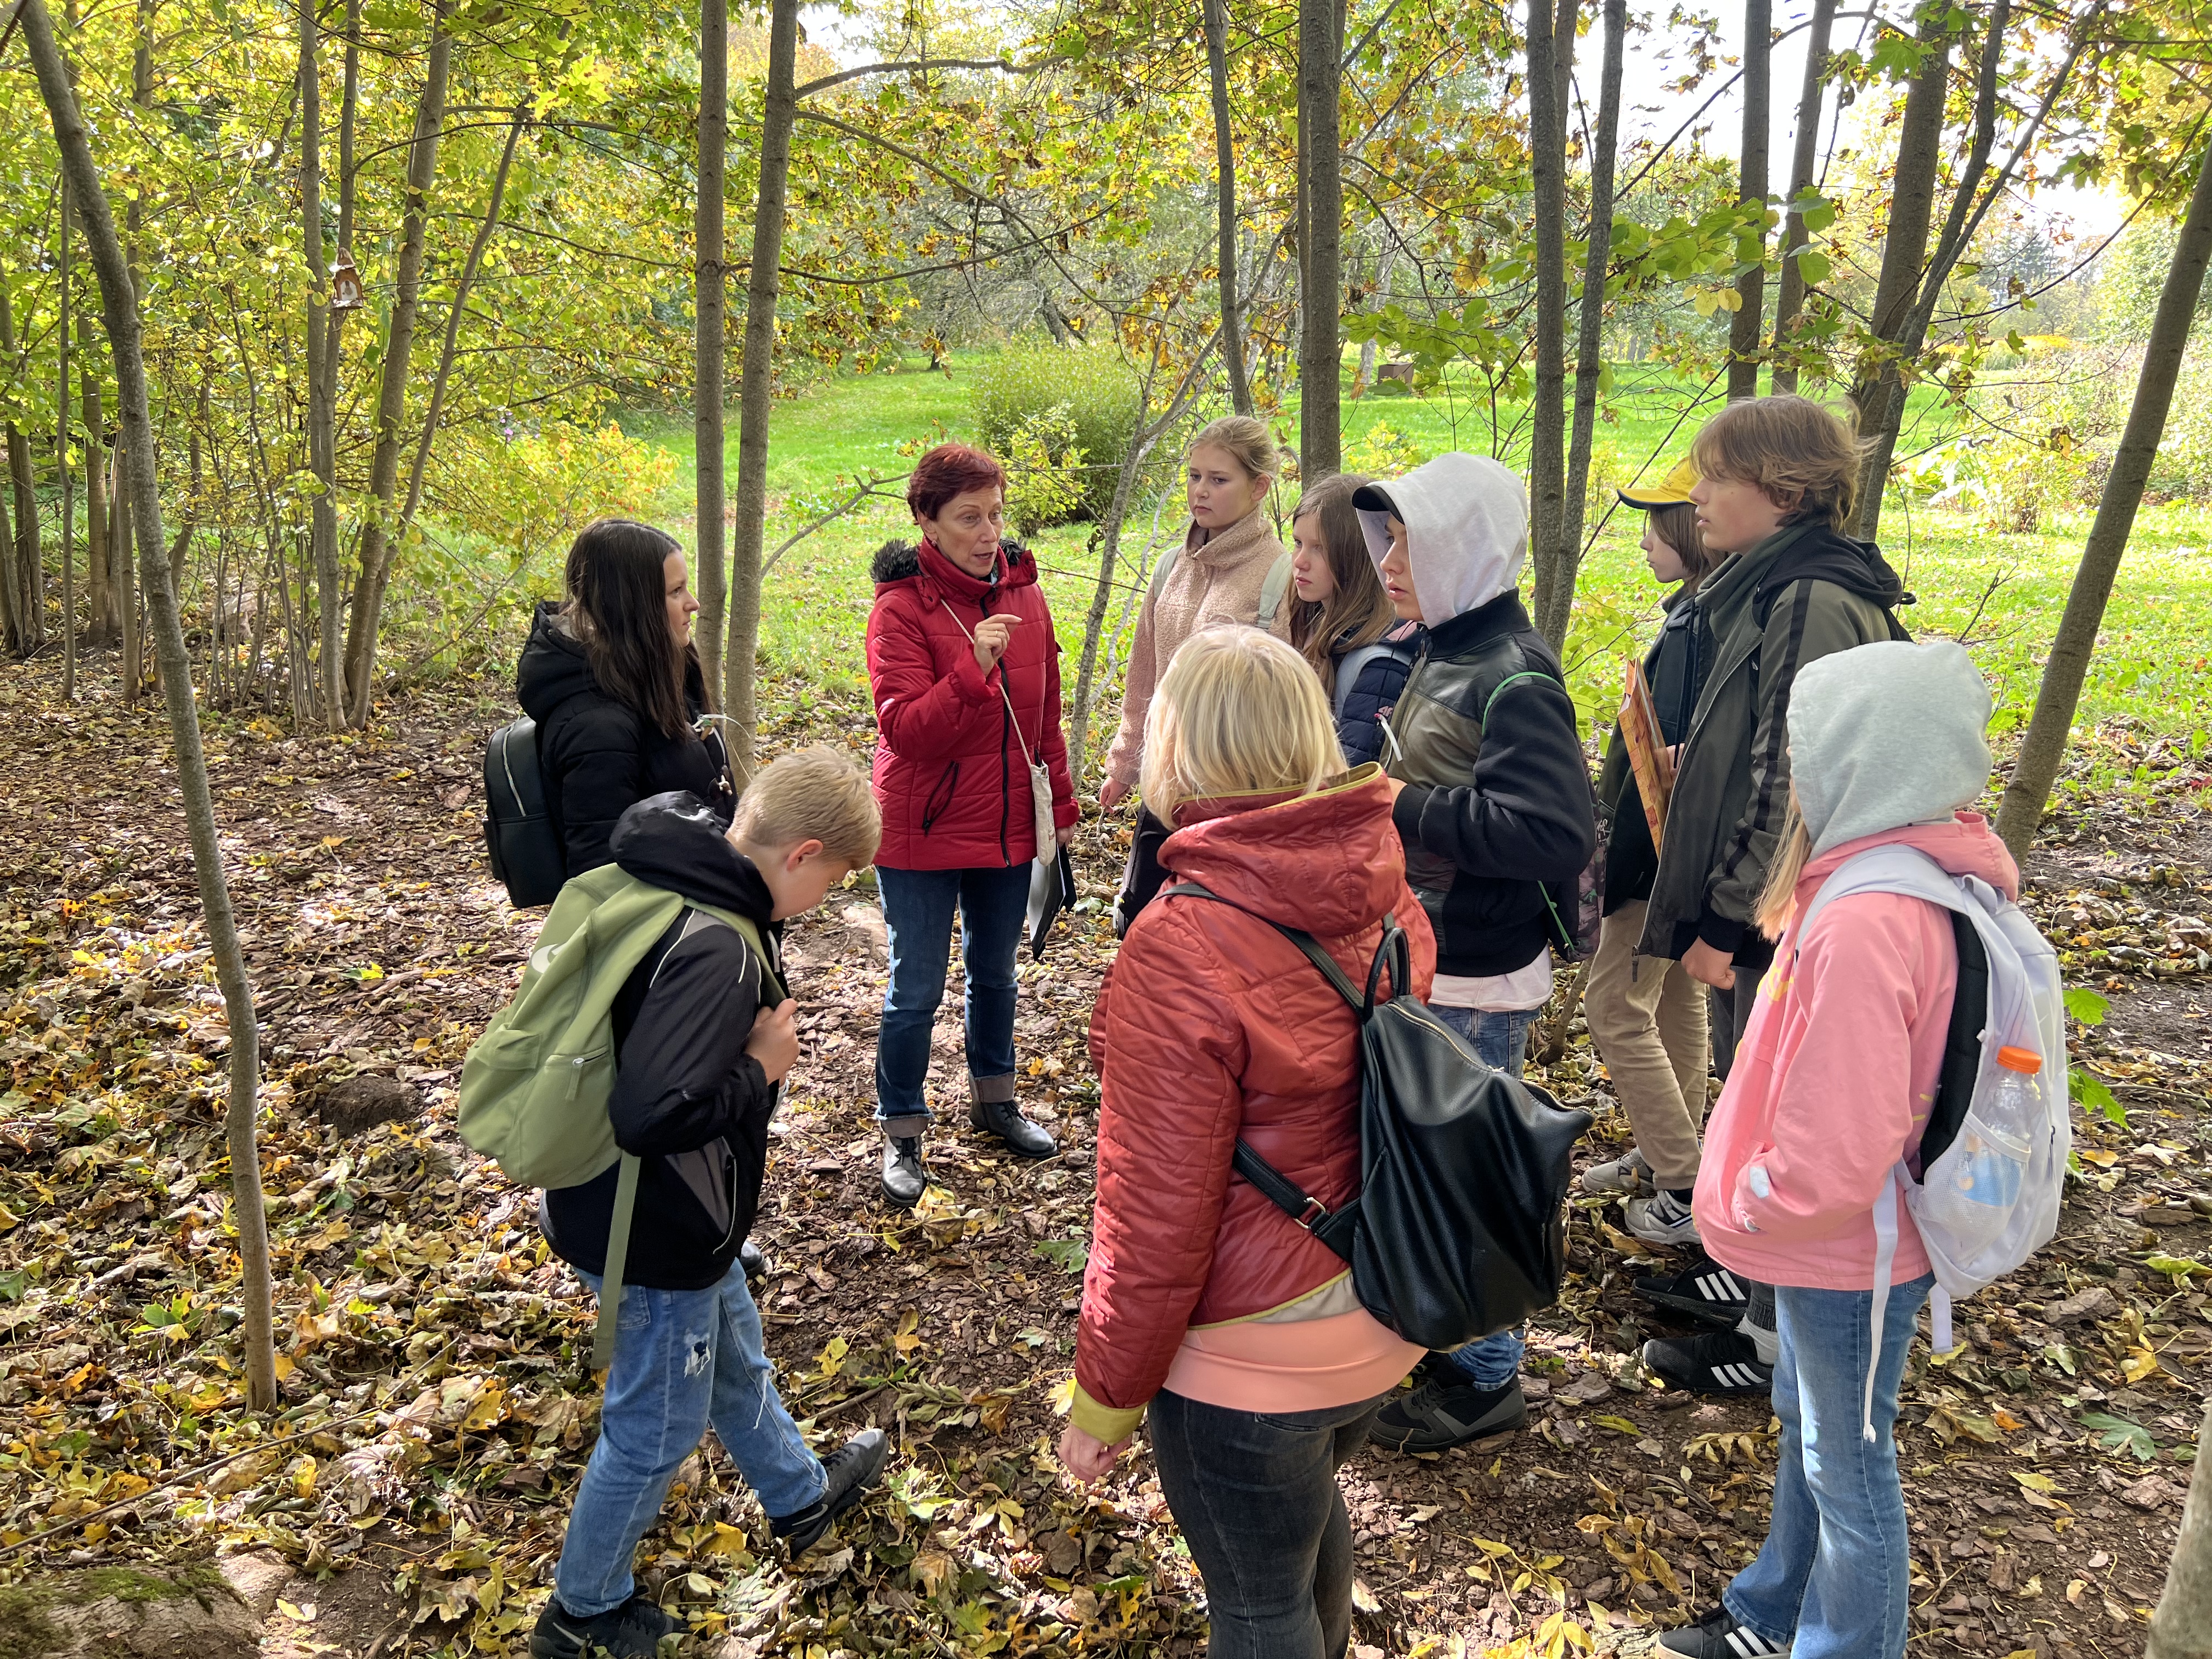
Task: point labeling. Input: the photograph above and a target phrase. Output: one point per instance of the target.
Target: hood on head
(1330, 862)
(1886, 735)
(1467, 531)
(554, 666)
(676, 841)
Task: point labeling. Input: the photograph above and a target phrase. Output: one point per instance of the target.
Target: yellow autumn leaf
(2139, 1364)
(2034, 1482)
(1492, 1547)
(491, 1406)
(8, 1218)
(1062, 1397)
(2103, 1160)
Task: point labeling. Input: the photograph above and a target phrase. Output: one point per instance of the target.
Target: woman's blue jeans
(917, 906)
(683, 1359)
(1834, 1577)
(1501, 1041)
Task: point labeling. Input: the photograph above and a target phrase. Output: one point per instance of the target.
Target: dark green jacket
(1497, 800)
(1804, 592)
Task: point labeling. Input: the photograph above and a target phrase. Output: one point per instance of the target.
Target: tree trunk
(120, 541)
(1744, 327)
(1551, 44)
(11, 600)
(141, 95)
(322, 371)
(2182, 1626)
(119, 306)
(757, 387)
(1224, 175)
(2043, 748)
(1320, 247)
(29, 555)
(1789, 286)
(99, 587)
(377, 544)
(330, 638)
(1556, 604)
(68, 514)
(1879, 382)
(709, 381)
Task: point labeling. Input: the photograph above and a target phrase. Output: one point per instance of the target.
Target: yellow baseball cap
(1670, 491)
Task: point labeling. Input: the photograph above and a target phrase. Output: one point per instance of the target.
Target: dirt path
(435, 1422)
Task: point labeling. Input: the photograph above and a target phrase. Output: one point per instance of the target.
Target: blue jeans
(1835, 1574)
(1501, 1041)
(683, 1359)
(917, 906)
(1256, 1497)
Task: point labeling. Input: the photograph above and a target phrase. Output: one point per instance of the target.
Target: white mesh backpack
(1994, 1153)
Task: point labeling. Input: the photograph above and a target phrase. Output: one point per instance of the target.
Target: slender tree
(2182, 1626)
(2043, 749)
(762, 282)
(322, 370)
(378, 543)
(1744, 330)
(1224, 184)
(1789, 286)
(710, 301)
(119, 309)
(62, 480)
(1555, 602)
(100, 590)
(1551, 43)
(1321, 243)
(29, 555)
(11, 599)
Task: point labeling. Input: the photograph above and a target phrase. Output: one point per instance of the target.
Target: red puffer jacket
(949, 772)
(1212, 1026)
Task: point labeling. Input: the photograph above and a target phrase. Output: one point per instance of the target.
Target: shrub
(529, 493)
(1045, 474)
(1085, 392)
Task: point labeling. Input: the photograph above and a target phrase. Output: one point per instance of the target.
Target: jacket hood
(1330, 862)
(1467, 531)
(1820, 554)
(1885, 735)
(1965, 845)
(553, 667)
(898, 561)
(674, 841)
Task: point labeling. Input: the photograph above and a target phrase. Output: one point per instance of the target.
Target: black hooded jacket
(599, 755)
(687, 1098)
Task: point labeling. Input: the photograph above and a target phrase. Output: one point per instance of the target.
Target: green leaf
(2117, 1434)
(1813, 267)
(2093, 1095)
(1071, 1253)
(2083, 1003)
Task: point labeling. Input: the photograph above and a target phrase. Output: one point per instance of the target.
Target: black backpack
(1459, 1230)
(520, 832)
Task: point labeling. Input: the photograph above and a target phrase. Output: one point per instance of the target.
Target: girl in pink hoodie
(1832, 1086)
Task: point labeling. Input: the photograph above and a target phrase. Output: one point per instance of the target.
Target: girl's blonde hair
(1358, 611)
(1780, 896)
(1245, 439)
(1237, 712)
(1802, 457)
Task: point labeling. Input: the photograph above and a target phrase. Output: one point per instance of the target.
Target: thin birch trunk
(322, 378)
(119, 306)
(2182, 1626)
(99, 587)
(1789, 286)
(28, 554)
(1745, 330)
(1224, 179)
(1550, 37)
(709, 377)
(61, 456)
(1321, 247)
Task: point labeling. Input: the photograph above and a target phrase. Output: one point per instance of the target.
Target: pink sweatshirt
(1837, 1073)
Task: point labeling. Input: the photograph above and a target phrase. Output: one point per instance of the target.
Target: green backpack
(535, 1086)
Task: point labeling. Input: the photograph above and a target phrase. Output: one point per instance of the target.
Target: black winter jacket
(1497, 800)
(687, 1099)
(600, 756)
(1361, 706)
(1674, 670)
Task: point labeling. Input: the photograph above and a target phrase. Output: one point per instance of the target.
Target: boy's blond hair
(1238, 713)
(813, 793)
(1802, 455)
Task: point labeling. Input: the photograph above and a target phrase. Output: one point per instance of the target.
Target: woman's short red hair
(948, 470)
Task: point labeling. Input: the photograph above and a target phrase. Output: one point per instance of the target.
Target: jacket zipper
(1005, 716)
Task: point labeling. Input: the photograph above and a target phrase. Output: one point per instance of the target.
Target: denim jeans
(1835, 1574)
(1501, 1041)
(918, 906)
(1257, 1500)
(683, 1359)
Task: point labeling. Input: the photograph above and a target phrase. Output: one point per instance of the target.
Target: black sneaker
(1718, 1636)
(903, 1176)
(854, 1469)
(1448, 1411)
(632, 1631)
(1714, 1362)
(751, 1259)
(1705, 1290)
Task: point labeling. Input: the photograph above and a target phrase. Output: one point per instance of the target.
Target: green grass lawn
(2001, 592)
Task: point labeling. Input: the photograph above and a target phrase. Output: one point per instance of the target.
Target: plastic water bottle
(2000, 1132)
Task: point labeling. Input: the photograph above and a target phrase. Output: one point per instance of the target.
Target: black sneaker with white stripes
(1704, 1291)
(1713, 1362)
(1717, 1636)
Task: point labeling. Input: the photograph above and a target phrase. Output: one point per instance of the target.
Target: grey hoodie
(1886, 735)
(1467, 531)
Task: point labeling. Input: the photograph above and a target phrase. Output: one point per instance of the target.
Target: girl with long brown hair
(1344, 624)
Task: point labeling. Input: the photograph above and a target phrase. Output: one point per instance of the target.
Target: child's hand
(775, 1039)
(1112, 793)
(1709, 965)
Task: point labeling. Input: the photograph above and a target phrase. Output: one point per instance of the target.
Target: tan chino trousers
(1647, 1018)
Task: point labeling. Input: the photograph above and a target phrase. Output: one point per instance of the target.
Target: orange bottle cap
(2019, 1059)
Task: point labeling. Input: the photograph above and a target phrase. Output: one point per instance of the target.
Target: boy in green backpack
(702, 1038)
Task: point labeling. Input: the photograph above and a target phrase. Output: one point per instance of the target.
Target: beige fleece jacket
(1213, 582)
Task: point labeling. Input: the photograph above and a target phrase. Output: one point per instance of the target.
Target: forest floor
(409, 1496)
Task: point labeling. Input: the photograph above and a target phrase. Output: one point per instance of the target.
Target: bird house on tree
(345, 284)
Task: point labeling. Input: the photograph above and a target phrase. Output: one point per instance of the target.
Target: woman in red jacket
(1203, 1302)
(965, 673)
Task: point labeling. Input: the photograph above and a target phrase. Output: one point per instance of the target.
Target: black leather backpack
(1459, 1230)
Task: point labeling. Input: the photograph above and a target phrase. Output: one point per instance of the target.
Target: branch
(915, 66)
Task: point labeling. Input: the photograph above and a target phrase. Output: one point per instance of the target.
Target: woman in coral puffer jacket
(1204, 1303)
(965, 673)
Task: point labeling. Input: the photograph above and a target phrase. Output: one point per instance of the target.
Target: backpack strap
(611, 1282)
(1272, 592)
(1962, 1043)
(1160, 572)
